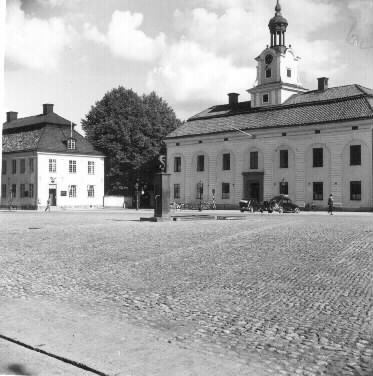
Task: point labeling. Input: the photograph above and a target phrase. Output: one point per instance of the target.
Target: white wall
(336, 173)
(62, 179)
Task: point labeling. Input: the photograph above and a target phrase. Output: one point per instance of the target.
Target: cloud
(125, 39)
(33, 42)
(319, 58)
(70, 4)
(216, 52)
(187, 72)
(240, 30)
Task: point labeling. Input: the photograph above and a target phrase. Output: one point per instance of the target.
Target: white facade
(48, 176)
(335, 174)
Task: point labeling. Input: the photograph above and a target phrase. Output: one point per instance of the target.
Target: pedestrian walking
(48, 207)
(330, 204)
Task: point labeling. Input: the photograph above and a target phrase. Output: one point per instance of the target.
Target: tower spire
(278, 8)
(277, 27)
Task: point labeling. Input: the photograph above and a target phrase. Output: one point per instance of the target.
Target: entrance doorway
(52, 196)
(254, 191)
(253, 184)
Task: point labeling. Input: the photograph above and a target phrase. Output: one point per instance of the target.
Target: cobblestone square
(290, 293)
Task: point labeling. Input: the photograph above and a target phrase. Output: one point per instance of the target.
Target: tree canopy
(129, 129)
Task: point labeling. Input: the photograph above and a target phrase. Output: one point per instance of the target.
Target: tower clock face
(268, 59)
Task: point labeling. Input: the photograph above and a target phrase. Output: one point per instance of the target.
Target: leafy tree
(129, 129)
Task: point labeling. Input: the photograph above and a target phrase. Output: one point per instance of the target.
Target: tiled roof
(50, 118)
(44, 133)
(333, 105)
(54, 140)
(223, 109)
(22, 141)
(333, 93)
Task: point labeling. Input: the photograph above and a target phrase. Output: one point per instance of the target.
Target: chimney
(322, 83)
(233, 99)
(47, 108)
(11, 115)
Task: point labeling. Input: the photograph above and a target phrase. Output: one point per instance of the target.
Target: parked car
(283, 204)
(280, 203)
(253, 205)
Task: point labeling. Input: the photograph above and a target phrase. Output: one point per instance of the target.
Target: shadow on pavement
(18, 369)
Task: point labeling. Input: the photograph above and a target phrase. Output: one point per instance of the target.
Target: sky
(190, 52)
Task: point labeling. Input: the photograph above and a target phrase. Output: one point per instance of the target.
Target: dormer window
(71, 144)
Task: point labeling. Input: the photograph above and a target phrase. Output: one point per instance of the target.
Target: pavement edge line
(60, 358)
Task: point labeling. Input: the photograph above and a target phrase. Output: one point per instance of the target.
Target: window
(355, 127)
(318, 191)
(283, 134)
(72, 190)
(226, 161)
(91, 191)
(253, 160)
(176, 191)
(268, 73)
(265, 98)
(225, 190)
(14, 166)
(52, 165)
(71, 144)
(284, 188)
(177, 164)
(23, 166)
(31, 190)
(318, 157)
(3, 190)
(72, 167)
(91, 167)
(317, 131)
(201, 163)
(3, 169)
(31, 164)
(355, 190)
(14, 191)
(199, 191)
(355, 155)
(288, 72)
(22, 191)
(284, 159)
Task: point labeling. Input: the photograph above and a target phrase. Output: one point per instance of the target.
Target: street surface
(269, 295)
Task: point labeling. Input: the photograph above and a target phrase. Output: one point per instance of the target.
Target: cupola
(277, 27)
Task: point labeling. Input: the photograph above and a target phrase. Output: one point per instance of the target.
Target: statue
(162, 163)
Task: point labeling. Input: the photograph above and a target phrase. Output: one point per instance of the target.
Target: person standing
(48, 207)
(330, 204)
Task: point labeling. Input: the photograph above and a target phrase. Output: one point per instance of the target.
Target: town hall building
(45, 159)
(285, 140)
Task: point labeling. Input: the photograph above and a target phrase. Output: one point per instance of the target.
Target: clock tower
(277, 67)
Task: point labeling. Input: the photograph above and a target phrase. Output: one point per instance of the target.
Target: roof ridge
(363, 89)
(280, 107)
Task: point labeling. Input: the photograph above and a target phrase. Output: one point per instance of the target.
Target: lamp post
(137, 194)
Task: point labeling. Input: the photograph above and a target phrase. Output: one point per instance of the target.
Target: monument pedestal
(161, 198)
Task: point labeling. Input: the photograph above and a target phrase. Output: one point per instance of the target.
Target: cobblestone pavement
(295, 290)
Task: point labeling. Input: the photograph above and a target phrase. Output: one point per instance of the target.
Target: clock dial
(268, 59)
